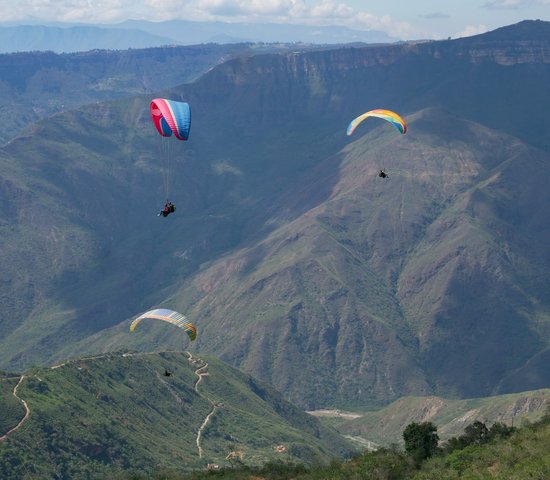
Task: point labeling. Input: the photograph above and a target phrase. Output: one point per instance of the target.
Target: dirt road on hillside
(27, 411)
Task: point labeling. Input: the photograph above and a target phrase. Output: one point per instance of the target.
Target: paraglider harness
(169, 208)
(383, 174)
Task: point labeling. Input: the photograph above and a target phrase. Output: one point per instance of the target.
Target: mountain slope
(362, 284)
(103, 415)
(293, 258)
(385, 426)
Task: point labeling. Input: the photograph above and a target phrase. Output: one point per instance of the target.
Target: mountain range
(136, 34)
(188, 32)
(35, 85)
(297, 263)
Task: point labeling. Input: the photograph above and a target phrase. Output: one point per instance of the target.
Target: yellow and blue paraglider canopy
(387, 115)
(169, 316)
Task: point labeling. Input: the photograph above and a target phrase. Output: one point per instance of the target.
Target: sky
(401, 19)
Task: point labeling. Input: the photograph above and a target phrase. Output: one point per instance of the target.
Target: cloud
(247, 7)
(277, 9)
(328, 9)
(471, 30)
(307, 12)
(318, 12)
(513, 4)
(435, 16)
(88, 11)
(385, 23)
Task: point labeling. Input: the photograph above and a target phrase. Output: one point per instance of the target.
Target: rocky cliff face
(524, 43)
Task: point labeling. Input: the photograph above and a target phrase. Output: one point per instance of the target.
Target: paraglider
(387, 115)
(170, 118)
(169, 316)
(169, 208)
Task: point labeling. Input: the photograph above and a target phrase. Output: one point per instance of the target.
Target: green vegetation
(502, 455)
(101, 416)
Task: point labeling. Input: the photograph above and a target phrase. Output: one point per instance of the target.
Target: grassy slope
(99, 416)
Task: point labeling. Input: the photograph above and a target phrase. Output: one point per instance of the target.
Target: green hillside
(119, 416)
(99, 416)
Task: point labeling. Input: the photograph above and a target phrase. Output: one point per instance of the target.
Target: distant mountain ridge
(295, 261)
(187, 31)
(29, 38)
(134, 34)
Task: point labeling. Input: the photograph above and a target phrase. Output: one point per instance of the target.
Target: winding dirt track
(201, 372)
(202, 427)
(27, 411)
(200, 375)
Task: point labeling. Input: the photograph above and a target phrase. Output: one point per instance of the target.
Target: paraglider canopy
(387, 115)
(169, 316)
(171, 117)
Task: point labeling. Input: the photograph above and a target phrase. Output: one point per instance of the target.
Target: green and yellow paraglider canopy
(169, 316)
(387, 115)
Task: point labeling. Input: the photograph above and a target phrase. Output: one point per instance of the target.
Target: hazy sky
(404, 19)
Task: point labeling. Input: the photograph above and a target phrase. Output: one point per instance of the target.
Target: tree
(500, 430)
(420, 440)
(476, 433)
